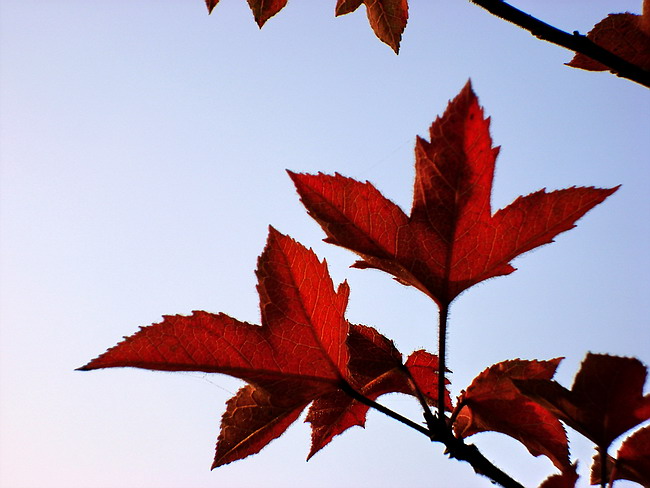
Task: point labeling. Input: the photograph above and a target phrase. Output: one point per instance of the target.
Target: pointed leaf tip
(263, 10)
(344, 7)
(387, 18)
(210, 4)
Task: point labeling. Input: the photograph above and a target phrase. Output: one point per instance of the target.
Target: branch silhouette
(572, 41)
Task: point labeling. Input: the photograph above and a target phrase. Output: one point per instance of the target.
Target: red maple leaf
(451, 240)
(493, 403)
(626, 35)
(632, 460)
(298, 354)
(305, 350)
(387, 18)
(605, 401)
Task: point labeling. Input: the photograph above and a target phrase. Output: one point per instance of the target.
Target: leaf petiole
(428, 415)
(347, 388)
(442, 353)
(602, 450)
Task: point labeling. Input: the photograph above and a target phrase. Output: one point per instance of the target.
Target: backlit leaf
(451, 240)
(298, 353)
(605, 401)
(493, 403)
(387, 18)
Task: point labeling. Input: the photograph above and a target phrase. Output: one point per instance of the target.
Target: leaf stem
(347, 388)
(574, 42)
(457, 449)
(602, 450)
(441, 430)
(442, 354)
(428, 415)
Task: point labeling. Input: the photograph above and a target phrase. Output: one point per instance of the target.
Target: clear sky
(143, 149)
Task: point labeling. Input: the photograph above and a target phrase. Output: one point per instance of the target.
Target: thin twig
(385, 410)
(574, 42)
(428, 415)
(457, 449)
(441, 432)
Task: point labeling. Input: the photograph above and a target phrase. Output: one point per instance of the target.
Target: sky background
(143, 148)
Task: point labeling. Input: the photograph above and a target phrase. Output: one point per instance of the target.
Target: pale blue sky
(143, 149)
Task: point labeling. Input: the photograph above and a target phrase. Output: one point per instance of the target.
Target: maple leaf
(387, 18)
(297, 354)
(605, 401)
(632, 460)
(451, 240)
(305, 350)
(493, 403)
(626, 35)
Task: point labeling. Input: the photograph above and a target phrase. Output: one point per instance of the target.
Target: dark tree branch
(574, 42)
(441, 432)
(457, 449)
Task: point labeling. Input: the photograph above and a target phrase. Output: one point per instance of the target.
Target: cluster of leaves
(387, 17)
(619, 43)
(306, 352)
